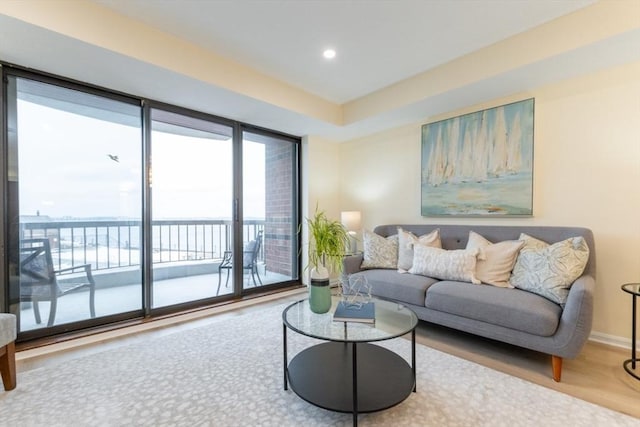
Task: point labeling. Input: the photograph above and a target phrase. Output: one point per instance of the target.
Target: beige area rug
(229, 373)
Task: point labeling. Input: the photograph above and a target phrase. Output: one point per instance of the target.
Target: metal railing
(107, 244)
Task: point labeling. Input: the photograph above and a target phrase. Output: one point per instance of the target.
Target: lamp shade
(351, 220)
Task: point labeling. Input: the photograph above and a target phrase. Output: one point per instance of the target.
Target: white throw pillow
(495, 260)
(380, 252)
(406, 241)
(550, 270)
(441, 264)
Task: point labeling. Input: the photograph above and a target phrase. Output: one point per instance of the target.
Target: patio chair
(40, 282)
(249, 261)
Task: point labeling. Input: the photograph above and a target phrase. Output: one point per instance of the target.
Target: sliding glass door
(192, 208)
(270, 219)
(119, 208)
(74, 204)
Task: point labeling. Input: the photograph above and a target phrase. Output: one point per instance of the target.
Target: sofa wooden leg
(8, 365)
(556, 365)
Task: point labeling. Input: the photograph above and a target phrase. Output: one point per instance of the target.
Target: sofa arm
(577, 317)
(351, 263)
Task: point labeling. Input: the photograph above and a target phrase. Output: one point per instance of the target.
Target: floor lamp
(351, 221)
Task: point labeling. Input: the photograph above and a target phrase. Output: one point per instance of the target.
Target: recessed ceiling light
(329, 53)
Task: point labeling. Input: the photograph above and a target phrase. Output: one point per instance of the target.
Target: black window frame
(145, 105)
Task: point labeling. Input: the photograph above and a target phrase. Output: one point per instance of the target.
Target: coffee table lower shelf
(323, 375)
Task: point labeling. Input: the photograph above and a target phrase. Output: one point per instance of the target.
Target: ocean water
(507, 195)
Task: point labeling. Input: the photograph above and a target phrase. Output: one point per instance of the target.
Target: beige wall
(320, 184)
(586, 173)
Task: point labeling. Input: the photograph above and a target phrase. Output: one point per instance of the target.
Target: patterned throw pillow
(406, 241)
(380, 252)
(441, 264)
(550, 270)
(495, 260)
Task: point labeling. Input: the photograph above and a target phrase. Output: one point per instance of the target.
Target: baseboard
(612, 340)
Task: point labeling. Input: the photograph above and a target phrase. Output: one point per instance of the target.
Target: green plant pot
(319, 291)
(320, 296)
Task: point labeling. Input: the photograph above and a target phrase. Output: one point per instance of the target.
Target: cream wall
(586, 173)
(320, 184)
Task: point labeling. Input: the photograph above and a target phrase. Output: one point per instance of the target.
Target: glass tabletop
(391, 320)
(632, 288)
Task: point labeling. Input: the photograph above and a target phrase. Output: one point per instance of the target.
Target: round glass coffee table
(346, 372)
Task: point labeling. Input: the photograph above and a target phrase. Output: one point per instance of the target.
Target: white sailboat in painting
(479, 163)
(481, 150)
(478, 150)
(453, 135)
(465, 171)
(498, 166)
(437, 159)
(514, 144)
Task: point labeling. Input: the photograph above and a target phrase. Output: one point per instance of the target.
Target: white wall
(586, 173)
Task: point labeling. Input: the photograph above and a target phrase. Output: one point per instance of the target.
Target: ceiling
(383, 47)
(378, 43)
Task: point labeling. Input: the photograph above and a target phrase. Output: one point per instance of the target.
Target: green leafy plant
(328, 241)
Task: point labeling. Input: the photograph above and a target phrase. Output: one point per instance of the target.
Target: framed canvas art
(479, 164)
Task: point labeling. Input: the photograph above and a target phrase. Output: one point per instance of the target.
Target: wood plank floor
(596, 375)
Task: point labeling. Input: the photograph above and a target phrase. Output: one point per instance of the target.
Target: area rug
(230, 373)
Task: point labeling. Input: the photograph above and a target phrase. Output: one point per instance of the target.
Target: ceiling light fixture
(329, 53)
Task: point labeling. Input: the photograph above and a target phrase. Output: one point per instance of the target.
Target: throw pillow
(379, 252)
(406, 241)
(441, 264)
(495, 260)
(549, 270)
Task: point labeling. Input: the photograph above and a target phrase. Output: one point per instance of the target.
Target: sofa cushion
(380, 252)
(407, 288)
(495, 260)
(511, 308)
(549, 270)
(406, 242)
(445, 265)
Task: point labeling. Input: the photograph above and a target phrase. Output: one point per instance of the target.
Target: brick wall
(280, 234)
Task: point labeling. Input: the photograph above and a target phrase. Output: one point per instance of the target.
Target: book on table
(363, 313)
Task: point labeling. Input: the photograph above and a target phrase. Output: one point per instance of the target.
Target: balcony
(186, 259)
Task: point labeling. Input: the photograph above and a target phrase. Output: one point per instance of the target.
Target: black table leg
(629, 365)
(413, 358)
(284, 351)
(354, 363)
(633, 334)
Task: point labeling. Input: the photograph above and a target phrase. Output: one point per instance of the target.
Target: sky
(76, 166)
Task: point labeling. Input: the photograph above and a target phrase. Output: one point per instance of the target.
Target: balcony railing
(108, 244)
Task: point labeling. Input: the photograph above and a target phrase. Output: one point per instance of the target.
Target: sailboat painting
(479, 164)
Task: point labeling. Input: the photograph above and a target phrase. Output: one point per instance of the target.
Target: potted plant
(328, 241)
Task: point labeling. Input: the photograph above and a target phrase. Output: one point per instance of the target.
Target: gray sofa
(509, 315)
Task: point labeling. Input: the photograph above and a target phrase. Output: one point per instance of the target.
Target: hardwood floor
(596, 375)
